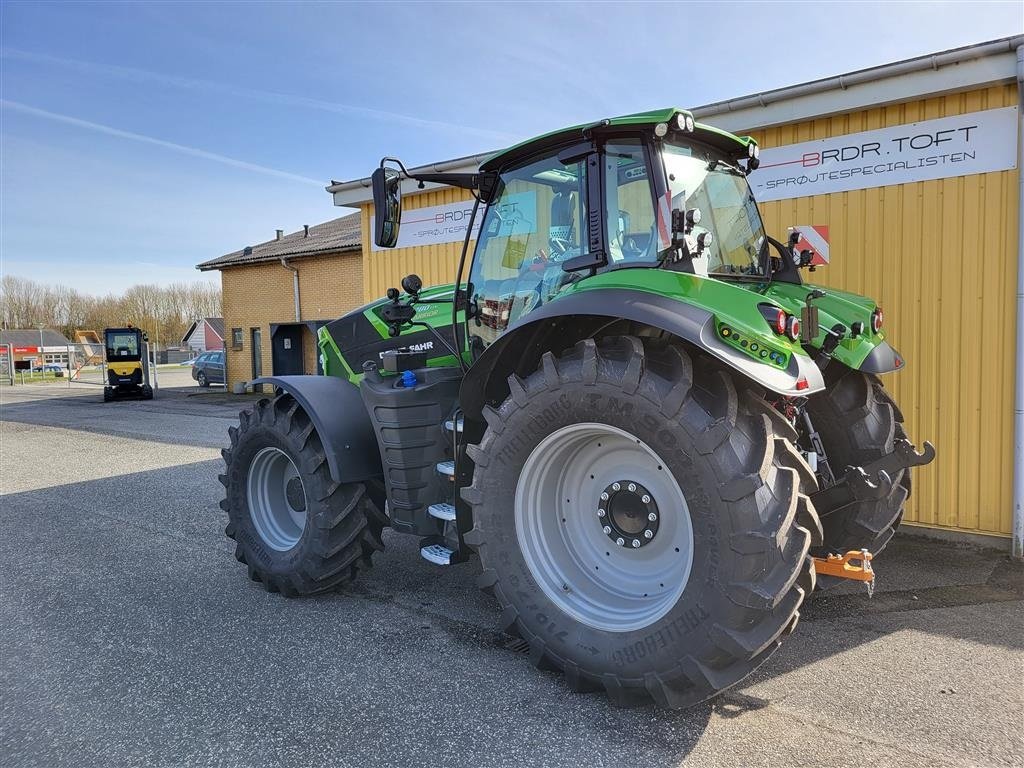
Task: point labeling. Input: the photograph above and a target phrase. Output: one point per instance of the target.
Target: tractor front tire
(641, 521)
(296, 529)
(858, 422)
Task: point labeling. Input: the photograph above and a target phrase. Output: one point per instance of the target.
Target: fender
(336, 409)
(529, 338)
(882, 359)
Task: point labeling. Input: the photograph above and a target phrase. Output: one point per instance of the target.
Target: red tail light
(775, 317)
(876, 319)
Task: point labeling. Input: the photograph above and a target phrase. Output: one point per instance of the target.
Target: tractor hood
(867, 350)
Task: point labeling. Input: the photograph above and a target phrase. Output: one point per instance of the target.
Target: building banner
(977, 142)
(447, 223)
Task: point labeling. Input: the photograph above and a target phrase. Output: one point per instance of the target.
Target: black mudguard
(336, 409)
(882, 359)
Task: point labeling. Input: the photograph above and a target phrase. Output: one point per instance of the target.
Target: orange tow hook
(855, 564)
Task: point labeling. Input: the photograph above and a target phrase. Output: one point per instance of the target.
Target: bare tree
(163, 311)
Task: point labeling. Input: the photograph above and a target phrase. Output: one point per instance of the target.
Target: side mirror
(387, 206)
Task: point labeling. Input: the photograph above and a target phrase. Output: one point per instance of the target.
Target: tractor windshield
(706, 180)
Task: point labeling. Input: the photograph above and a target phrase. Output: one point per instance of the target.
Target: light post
(42, 358)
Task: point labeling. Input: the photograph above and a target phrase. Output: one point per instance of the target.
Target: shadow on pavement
(129, 634)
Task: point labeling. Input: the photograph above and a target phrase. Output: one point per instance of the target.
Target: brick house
(278, 293)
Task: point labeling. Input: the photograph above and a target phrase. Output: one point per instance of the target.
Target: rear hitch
(874, 479)
(854, 565)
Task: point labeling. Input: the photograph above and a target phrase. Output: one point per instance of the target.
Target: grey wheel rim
(581, 569)
(277, 499)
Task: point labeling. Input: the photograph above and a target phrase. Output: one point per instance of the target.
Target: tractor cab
(127, 366)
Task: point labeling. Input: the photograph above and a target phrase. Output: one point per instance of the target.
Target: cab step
(438, 554)
(443, 511)
(446, 469)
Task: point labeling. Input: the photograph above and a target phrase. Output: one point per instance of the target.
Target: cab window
(630, 204)
(536, 223)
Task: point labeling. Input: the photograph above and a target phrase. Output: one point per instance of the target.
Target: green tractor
(629, 405)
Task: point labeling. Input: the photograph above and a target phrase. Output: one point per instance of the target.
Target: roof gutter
(926, 67)
(295, 287)
(1018, 400)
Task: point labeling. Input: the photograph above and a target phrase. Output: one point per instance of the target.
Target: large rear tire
(686, 587)
(296, 530)
(858, 423)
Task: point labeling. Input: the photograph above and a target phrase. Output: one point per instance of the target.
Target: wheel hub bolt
(600, 513)
(607, 529)
(648, 534)
(652, 517)
(604, 497)
(616, 487)
(620, 541)
(636, 543)
(646, 499)
(632, 487)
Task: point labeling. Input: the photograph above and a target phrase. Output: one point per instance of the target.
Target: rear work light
(876, 319)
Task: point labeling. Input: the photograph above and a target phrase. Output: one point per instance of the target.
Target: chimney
(280, 233)
(247, 251)
(305, 229)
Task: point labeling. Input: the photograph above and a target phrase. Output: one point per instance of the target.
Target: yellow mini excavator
(127, 366)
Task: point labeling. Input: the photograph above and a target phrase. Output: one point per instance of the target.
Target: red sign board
(26, 350)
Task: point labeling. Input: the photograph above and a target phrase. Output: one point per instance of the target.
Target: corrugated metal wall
(940, 258)
(436, 264)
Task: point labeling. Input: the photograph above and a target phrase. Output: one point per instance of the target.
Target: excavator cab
(127, 367)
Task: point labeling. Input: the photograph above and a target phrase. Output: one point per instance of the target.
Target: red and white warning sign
(814, 239)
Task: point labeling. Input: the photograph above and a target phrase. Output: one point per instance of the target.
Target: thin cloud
(121, 134)
(273, 97)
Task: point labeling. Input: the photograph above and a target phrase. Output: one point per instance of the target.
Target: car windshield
(706, 180)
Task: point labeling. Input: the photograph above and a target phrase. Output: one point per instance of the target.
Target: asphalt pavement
(129, 636)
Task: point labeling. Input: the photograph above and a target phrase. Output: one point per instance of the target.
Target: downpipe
(295, 287)
(1018, 404)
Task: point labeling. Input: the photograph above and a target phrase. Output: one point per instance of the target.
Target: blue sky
(140, 139)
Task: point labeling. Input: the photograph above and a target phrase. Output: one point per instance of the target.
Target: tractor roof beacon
(628, 404)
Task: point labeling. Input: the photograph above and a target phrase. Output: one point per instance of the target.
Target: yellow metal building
(940, 255)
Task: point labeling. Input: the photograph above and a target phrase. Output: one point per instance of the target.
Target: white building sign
(447, 223)
(977, 142)
(433, 225)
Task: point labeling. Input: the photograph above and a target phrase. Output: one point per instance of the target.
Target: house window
(236, 338)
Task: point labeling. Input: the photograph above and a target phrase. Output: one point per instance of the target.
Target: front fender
(597, 307)
(335, 406)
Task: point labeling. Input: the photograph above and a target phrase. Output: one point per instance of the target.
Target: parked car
(209, 368)
(54, 368)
